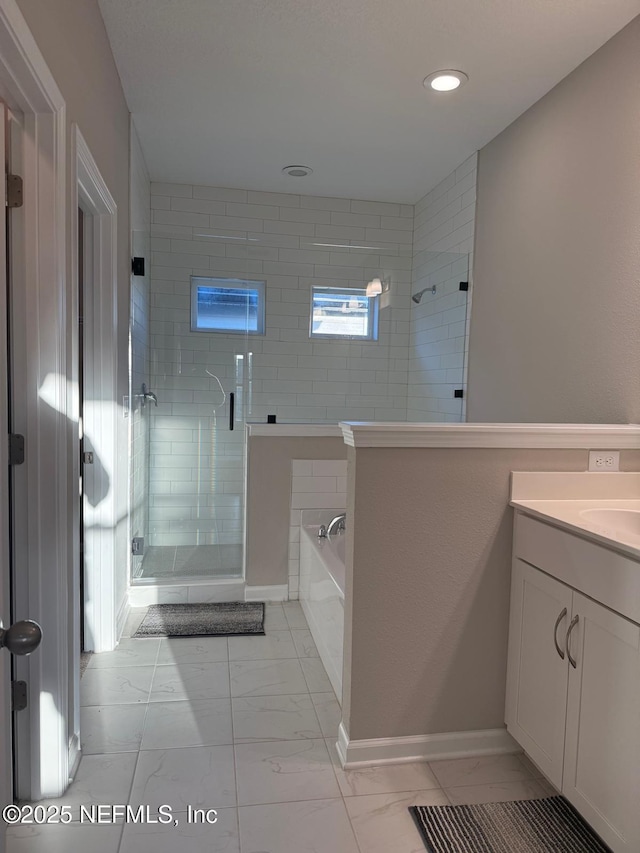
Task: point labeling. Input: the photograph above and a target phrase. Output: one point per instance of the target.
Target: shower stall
(228, 328)
(190, 380)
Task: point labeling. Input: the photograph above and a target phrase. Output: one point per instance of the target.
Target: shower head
(417, 297)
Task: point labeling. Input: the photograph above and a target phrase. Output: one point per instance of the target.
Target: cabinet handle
(573, 624)
(555, 632)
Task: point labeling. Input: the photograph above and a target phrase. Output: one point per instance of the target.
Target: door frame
(6, 780)
(100, 415)
(43, 407)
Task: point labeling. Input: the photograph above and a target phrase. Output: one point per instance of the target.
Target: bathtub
(322, 597)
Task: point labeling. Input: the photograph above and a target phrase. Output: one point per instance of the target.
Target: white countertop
(567, 514)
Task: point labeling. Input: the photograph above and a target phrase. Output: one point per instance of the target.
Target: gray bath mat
(226, 619)
(550, 825)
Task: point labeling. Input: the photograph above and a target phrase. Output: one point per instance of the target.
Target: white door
(25, 636)
(537, 669)
(41, 408)
(602, 763)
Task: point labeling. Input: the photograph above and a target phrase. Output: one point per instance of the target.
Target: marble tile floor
(168, 562)
(246, 726)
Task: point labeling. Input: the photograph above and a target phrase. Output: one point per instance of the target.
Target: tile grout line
(333, 769)
(349, 818)
(144, 725)
(233, 747)
(135, 768)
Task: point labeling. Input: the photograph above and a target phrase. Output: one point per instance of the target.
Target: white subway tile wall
(319, 485)
(290, 242)
(442, 255)
(139, 368)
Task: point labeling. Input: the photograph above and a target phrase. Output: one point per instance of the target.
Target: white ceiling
(227, 92)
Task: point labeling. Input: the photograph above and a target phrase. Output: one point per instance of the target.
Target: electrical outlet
(604, 460)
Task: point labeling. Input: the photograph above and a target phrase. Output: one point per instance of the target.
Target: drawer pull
(555, 632)
(573, 624)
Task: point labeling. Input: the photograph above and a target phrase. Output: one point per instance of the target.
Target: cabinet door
(602, 759)
(536, 674)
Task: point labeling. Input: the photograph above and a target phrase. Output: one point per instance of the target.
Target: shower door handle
(232, 409)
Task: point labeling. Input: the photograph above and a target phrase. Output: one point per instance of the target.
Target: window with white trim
(231, 305)
(343, 312)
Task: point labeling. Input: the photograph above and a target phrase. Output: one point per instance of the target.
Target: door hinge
(14, 191)
(87, 457)
(18, 695)
(16, 449)
(137, 266)
(137, 546)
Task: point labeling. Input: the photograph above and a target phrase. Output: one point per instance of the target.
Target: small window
(343, 312)
(229, 305)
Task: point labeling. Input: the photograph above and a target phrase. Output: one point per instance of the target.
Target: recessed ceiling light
(297, 171)
(445, 81)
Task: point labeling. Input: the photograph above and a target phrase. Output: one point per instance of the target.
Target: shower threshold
(170, 564)
(186, 590)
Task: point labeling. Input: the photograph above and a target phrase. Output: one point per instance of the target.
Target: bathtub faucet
(336, 524)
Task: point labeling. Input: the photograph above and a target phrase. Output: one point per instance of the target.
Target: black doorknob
(21, 638)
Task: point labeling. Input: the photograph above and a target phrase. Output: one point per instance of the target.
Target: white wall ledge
(294, 431)
(569, 436)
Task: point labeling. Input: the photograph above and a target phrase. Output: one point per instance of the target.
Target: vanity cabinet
(536, 708)
(573, 688)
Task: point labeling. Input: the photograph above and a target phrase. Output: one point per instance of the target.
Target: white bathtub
(322, 597)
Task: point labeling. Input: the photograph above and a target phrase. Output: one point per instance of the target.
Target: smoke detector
(297, 171)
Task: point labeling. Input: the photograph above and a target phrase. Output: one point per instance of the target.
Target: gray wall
(427, 590)
(269, 500)
(555, 328)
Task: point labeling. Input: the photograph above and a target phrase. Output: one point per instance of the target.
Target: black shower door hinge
(137, 266)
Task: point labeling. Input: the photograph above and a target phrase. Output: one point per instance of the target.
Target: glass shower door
(194, 402)
(438, 337)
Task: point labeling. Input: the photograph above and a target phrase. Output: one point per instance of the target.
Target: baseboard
(398, 750)
(123, 615)
(274, 592)
(75, 754)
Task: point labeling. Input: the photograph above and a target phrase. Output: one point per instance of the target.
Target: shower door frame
(144, 591)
